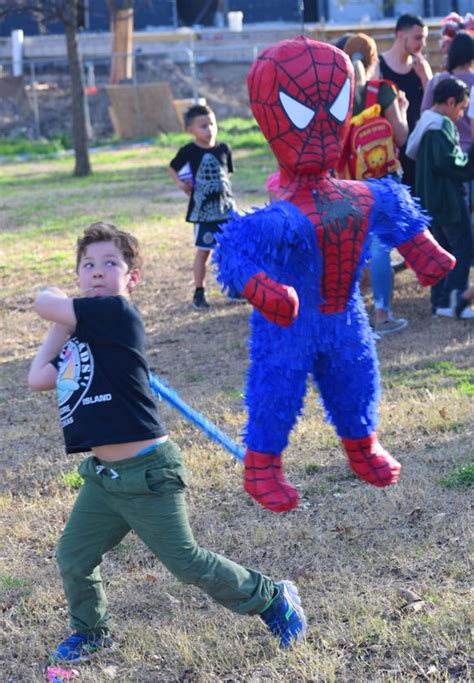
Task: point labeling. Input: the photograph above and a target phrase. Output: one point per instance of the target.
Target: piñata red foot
(371, 462)
(264, 481)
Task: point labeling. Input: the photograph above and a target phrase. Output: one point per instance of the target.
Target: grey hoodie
(430, 120)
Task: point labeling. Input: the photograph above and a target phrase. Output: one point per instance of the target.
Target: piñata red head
(301, 96)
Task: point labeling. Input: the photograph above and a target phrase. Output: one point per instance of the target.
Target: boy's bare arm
(54, 305)
(42, 374)
(183, 185)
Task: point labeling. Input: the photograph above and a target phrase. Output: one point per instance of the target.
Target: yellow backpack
(370, 150)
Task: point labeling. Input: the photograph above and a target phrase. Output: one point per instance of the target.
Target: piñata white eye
(298, 113)
(340, 106)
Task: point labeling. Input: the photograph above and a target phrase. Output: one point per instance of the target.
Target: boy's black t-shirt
(211, 199)
(102, 385)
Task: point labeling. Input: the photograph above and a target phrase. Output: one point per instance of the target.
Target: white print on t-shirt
(99, 398)
(75, 373)
(211, 192)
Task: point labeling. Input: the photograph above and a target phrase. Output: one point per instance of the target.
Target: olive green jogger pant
(144, 493)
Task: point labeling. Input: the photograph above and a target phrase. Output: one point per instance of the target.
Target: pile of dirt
(223, 85)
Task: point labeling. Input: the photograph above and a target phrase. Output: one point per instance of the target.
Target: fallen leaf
(409, 595)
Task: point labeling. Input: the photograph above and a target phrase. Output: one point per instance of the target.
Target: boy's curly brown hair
(107, 232)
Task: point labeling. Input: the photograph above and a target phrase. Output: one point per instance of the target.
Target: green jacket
(441, 169)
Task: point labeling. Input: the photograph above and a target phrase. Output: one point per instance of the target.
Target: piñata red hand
(371, 462)
(427, 258)
(277, 303)
(264, 481)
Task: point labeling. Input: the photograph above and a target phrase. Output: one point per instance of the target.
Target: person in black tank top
(406, 53)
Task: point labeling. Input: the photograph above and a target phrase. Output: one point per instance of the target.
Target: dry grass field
(384, 575)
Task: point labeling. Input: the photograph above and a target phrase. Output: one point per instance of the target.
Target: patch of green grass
(241, 133)
(45, 148)
(71, 480)
(432, 375)
(234, 394)
(9, 581)
(311, 468)
(195, 376)
(462, 477)
(466, 388)
(20, 146)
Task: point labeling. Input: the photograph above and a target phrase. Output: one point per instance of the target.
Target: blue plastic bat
(202, 422)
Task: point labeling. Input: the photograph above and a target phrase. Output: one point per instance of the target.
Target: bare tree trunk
(79, 128)
(122, 38)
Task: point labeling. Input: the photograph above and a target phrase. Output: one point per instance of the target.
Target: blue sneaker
(79, 647)
(285, 617)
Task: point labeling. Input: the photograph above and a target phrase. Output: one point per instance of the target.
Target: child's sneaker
(199, 299)
(390, 325)
(285, 617)
(444, 312)
(460, 305)
(79, 647)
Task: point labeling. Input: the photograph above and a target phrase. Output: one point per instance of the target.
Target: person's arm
(427, 101)
(377, 75)
(184, 185)
(422, 68)
(42, 374)
(396, 115)
(470, 111)
(230, 161)
(449, 160)
(54, 305)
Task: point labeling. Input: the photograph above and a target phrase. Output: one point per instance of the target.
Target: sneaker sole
(291, 593)
(448, 315)
(393, 330)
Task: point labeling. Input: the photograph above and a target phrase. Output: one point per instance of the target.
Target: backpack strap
(372, 91)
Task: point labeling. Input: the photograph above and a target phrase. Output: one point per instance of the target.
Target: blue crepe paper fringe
(276, 239)
(396, 216)
(280, 241)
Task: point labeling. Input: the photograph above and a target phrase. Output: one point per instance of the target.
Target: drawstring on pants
(101, 469)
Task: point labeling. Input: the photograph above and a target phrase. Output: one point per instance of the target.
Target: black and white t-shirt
(211, 199)
(102, 385)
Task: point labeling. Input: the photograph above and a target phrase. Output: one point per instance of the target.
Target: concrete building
(174, 13)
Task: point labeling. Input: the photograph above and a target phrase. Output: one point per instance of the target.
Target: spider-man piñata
(298, 261)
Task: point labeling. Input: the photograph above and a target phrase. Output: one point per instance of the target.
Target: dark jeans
(457, 239)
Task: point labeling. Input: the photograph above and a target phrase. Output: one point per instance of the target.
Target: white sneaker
(460, 306)
(445, 313)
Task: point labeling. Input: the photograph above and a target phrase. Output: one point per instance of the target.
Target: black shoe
(399, 266)
(199, 299)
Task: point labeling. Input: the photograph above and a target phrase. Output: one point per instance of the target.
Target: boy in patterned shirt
(201, 169)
